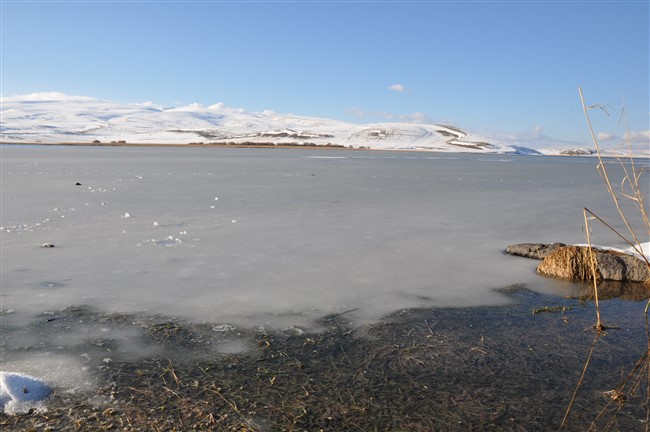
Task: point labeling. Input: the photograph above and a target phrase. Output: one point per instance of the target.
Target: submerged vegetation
(492, 368)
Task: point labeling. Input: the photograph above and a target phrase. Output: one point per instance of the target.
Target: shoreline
(511, 367)
(195, 145)
(301, 147)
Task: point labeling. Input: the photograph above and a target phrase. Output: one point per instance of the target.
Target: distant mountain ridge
(60, 118)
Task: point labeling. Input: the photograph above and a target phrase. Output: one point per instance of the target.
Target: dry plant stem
(636, 248)
(638, 195)
(592, 259)
(631, 382)
(636, 189)
(603, 171)
(575, 392)
(647, 359)
(611, 228)
(631, 178)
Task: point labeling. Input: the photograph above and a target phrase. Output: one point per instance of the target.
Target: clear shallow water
(279, 238)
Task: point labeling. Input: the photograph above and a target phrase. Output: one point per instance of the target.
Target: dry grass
(570, 263)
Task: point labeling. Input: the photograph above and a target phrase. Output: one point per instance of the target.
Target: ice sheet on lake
(317, 232)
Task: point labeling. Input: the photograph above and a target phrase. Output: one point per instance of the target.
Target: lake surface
(279, 238)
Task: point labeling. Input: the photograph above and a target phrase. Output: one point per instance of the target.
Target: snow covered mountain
(60, 118)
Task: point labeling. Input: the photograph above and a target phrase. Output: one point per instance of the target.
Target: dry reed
(570, 263)
(632, 191)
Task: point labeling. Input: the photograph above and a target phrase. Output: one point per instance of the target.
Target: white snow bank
(19, 392)
(645, 248)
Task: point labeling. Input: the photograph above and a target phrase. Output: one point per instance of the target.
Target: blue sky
(508, 69)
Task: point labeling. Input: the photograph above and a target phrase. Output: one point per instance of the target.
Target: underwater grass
(467, 369)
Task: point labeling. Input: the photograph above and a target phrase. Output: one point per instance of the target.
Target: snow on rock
(19, 393)
(645, 248)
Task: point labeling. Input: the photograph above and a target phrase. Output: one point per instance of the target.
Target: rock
(533, 250)
(622, 267)
(77, 184)
(574, 263)
(47, 245)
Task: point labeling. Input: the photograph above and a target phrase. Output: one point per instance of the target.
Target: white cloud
(638, 141)
(45, 97)
(191, 107)
(533, 138)
(417, 117)
(148, 104)
(605, 136)
(638, 136)
(397, 87)
(609, 143)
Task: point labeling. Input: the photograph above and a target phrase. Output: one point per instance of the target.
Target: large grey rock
(625, 268)
(537, 251)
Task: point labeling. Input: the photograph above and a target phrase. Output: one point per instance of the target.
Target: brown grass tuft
(570, 263)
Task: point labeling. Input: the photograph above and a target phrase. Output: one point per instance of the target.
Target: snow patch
(645, 248)
(19, 393)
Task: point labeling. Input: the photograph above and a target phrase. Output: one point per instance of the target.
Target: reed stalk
(632, 191)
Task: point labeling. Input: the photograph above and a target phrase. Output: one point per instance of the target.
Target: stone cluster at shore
(574, 262)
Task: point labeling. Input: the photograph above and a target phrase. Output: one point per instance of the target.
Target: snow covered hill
(60, 118)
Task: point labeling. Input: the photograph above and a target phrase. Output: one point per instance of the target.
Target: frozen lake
(279, 238)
